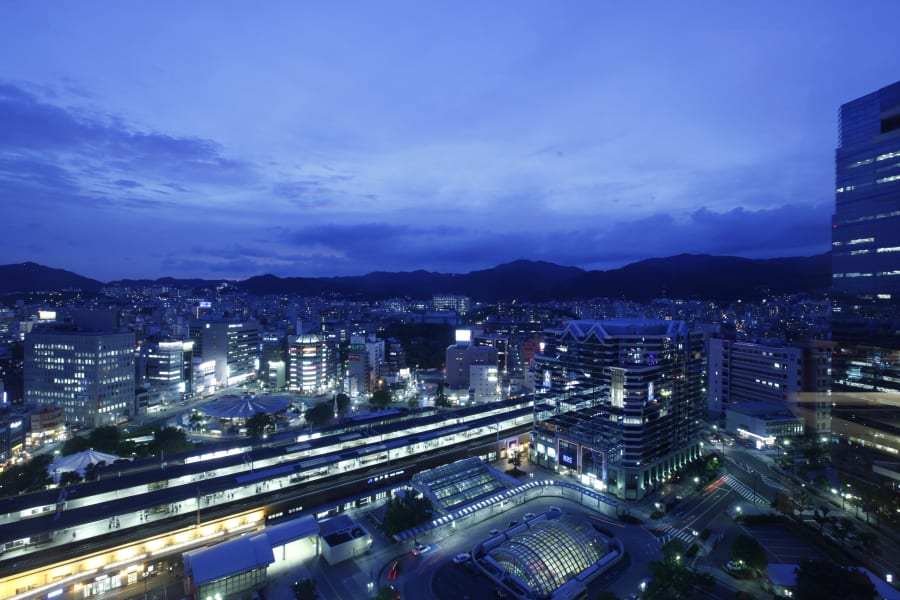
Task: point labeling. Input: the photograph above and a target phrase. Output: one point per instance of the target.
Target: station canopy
(234, 407)
(79, 462)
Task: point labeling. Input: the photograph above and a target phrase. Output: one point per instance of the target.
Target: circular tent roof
(232, 407)
(550, 553)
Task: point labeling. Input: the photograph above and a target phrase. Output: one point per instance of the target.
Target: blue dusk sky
(230, 139)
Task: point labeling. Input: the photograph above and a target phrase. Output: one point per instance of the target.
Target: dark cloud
(52, 147)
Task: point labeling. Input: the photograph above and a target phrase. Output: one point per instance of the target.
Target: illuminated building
(797, 378)
(866, 224)
(866, 270)
(89, 374)
(234, 347)
(311, 364)
(630, 395)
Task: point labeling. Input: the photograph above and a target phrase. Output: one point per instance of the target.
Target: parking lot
(783, 544)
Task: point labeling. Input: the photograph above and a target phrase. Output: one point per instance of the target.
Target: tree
(818, 579)
(29, 476)
(747, 550)
(441, 400)
(343, 402)
(386, 592)
(821, 517)
(320, 414)
(842, 528)
(105, 439)
(170, 440)
(381, 398)
(783, 503)
(515, 459)
(305, 589)
(259, 423)
(405, 511)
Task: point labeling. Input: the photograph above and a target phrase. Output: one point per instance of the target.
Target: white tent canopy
(79, 462)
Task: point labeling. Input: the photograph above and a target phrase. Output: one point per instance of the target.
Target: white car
(462, 557)
(420, 549)
(528, 516)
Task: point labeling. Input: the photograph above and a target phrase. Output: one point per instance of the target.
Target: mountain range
(689, 276)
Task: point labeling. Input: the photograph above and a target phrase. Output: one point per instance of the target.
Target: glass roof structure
(458, 483)
(550, 553)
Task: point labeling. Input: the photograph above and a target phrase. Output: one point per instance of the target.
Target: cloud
(55, 153)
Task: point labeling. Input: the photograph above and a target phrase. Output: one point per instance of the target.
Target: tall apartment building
(88, 374)
(866, 271)
(797, 377)
(366, 365)
(165, 370)
(454, 302)
(234, 347)
(311, 364)
(460, 357)
(637, 386)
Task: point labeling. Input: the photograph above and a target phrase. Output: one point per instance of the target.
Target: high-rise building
(797, 377)
(866, 273)
(165, 370)
(866, 224)
(311, 365)
(89, 374)
(634, 390)
(234, 347)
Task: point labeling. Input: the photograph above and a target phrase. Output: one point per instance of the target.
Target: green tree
(74, 445)
(386, 592)
(320, 414)
(259, 423)
(381, 398)
(305, 589)
(404, 511)
(442, 401)
(343, 402)
(171, 441)
(515, 459)
(821, 517)
(746, 549)
(843, 527)
(818, 579)
(105, 439)
(27, 477)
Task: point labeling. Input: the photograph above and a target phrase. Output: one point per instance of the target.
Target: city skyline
(214, 141)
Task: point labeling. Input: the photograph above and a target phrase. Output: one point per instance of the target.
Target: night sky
(231, 139)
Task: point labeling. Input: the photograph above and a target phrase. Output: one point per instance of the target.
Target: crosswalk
(773, 483)
(666, 533)
(745, 491)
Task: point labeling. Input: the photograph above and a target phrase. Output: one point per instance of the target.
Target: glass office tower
(866, 224)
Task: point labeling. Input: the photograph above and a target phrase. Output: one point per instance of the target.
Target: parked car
(462, 557)
(513, 523)
(555, 509)
(528, 515)
(494, 532)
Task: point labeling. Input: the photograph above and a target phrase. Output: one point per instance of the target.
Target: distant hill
(32, 277)
(705, 277)
(689, 276)
(683, 276)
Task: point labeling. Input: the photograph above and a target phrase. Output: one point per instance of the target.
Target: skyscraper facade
(866, 223)
(866, 272)
(637, 389)
(89, 374)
